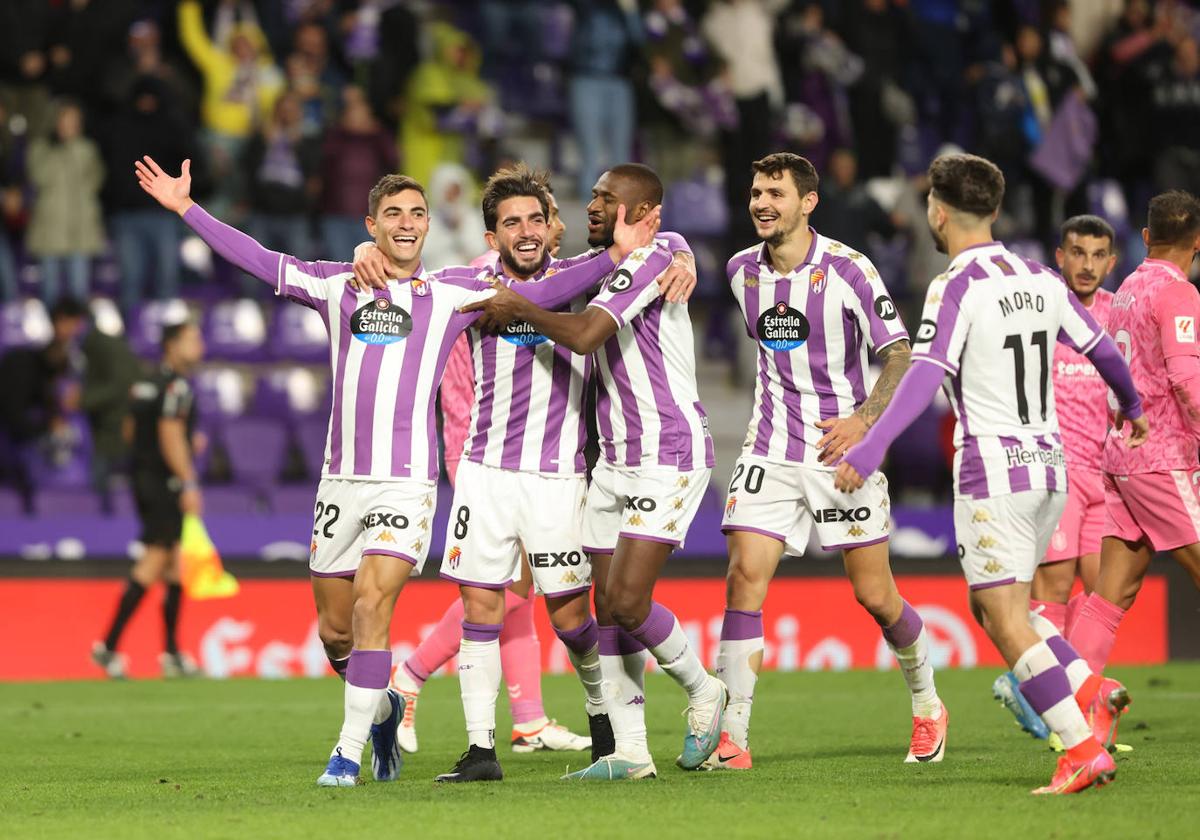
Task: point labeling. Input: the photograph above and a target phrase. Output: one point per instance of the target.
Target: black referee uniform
(156, 490)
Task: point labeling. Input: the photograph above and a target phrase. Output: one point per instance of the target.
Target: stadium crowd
(291, 109)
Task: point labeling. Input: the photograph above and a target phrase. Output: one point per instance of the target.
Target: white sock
(624, 682)
(1054, 697)
(918, 673)
(479, 682)
(587, 666)
(677, 658)
(738, 661)
(361, 705)
(384, 711)
(1076, 666)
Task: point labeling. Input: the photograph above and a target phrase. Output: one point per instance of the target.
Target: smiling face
(520, 235)
(777, 208)
(1085, 261)
(399, 227)
(611, 191)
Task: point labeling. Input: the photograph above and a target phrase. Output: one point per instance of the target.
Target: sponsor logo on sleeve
(884, 308)
(926, 331)
(782, 328)
(621, 281)
(1185, 329)
(380, 322)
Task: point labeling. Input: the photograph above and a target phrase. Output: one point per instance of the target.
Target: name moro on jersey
(782, 328)
(380, 322)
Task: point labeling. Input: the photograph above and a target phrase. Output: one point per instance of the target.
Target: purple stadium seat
(50, 501)
(298, 335)
(288, 393)
(292, 498)
(310, 437)
(122, 502)
(220, 498)
(144, 329)
(256, 448)
(23, 323)
(219, 393)
(695, 208)
(235, 330)
(10, 503)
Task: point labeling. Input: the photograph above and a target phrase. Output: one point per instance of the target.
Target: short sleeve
(942, 332)
(633, 286)
(1176, 309)
(1079, 330)
(176, 400)
(883, 324)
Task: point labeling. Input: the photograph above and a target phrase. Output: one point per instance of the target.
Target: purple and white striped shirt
(648, 410)
(387, 348)
(529, 391)
(991, 321)
(813, 326)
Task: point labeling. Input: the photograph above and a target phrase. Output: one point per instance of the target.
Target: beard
(604, 238)
(519, 265)
(939, 241)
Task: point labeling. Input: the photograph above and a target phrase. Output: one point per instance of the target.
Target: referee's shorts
(157, 499)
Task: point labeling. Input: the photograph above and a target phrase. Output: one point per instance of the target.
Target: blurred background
(291, 109)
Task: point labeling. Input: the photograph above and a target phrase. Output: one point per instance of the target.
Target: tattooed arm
(843, 432)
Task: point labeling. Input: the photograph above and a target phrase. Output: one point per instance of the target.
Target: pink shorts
(1161, 507)
(1082, 525)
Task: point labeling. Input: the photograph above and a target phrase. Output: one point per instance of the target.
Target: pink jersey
(1153, 318)
(1080, 398)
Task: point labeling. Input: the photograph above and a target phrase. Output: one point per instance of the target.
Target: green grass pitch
(239, 759)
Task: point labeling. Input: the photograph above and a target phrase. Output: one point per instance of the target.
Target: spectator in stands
(66, 228)
(455, 227)
(143, 57)
(847, 211)
(448, 104)
(604, 49)
(281, 169)
(109, 370)
(1175, 93)
(145, 237)
(83, 36)
(399, 28)
(241, 84)
(32, 377)
(356, 152)
(24, 36)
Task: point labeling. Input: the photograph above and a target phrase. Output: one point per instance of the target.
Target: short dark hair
(967, 183)
(1088, 225)
(68, 307)
(647, 185)
(171, 332)
(804, 174)
(390, 185)
(1174, 218)
(515, 182)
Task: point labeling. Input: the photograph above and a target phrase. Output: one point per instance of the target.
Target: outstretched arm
(580, 332)
(915, 392)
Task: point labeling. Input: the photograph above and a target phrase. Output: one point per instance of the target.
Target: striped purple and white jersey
(387, 348)
(529, 392)
(991, 320)
(647, 409)
(813, 326)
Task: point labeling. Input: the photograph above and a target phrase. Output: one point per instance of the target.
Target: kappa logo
(993, 567)
(981, 516)
(986, 542)
(751, 282)
(549, 559)
(643, 503)
(453, 557)
(570, 578)
(730, 506)
(670, 527)
(428, 502)
(416, 545)
(677, 504)
(855, 531)
(387, 520)
(1185, 329)
(639, 700)
(423, 524)
(635, 520)
(386, 536)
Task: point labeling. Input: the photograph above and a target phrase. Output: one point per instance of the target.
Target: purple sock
(480, 632)
(657, 626)
(1047, 689)
(906, 629)
(1062, 650)
(339, 665)
(742, 624)
(617, 642)
(369, 668)
(583, 638)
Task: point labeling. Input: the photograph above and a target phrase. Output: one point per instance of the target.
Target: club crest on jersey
(453, 557)
(523, 334)
(782, 328)
(420, 287)
(380, 322)
(817, 280)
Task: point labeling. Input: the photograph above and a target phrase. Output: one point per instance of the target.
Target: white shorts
(784, 501)
(1003, 539)
(642, 503)
(354, 519)
(497, 512)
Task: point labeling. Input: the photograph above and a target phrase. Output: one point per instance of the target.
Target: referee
(165, 487)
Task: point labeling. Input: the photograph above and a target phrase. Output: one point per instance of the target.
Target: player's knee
(745, 584)
(628, 608)
(369, 606)
(336, 641)
(874, 599)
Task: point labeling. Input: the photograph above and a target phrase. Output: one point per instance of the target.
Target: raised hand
(627, 237)
(175, 194)
(679, 280)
